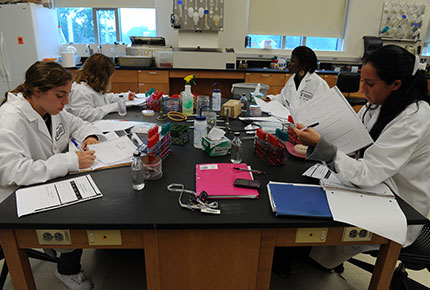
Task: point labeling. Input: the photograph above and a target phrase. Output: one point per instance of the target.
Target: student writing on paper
(35, 133)
(304, 83)
(90, 98)
(397, 117)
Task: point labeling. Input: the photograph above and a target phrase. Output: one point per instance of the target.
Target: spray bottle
(188, 97)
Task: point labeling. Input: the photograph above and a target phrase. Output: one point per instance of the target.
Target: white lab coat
(90, 105)
(28, 153)
(399, 157)
(293, 98)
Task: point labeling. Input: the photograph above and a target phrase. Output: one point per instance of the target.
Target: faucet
(89, 50)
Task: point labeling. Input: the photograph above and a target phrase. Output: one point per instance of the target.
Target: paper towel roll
(68, 59)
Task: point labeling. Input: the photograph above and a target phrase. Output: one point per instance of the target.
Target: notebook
(217, 180)
(298, 200)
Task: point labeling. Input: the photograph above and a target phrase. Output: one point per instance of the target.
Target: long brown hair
(96, 72)
(43, 76)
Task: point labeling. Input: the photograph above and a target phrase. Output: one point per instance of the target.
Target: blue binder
(299, 200)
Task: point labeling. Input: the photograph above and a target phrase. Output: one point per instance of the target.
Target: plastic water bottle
(137, 172)
(236, 149)
(216, 100)
(200, 130)
(244, 103)
(122, 109)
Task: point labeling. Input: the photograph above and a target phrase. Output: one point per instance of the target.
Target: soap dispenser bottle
(188, 97)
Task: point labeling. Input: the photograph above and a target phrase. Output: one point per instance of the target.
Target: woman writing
(398, 118)
(304, 83)
(89, 98)
(35, 133)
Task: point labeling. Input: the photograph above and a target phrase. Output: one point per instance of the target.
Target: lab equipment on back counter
(142, 51)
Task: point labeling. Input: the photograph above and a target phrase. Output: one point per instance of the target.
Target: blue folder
(299, 200)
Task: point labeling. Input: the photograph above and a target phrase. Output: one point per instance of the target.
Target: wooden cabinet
(330, 79)
(275, 81)
(157, 79)
(205, 80)
(124, 80)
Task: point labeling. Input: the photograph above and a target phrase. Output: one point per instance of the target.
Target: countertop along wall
(363, 18)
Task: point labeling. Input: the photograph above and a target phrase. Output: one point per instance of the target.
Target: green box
(216, 147)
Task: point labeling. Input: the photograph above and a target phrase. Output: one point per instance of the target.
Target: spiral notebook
(217, 180)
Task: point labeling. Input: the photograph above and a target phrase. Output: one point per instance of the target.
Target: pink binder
(217, 180)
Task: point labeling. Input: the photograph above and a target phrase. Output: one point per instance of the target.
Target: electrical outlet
(104, 237)
(54, 237)
(311, 235)
(355, 234)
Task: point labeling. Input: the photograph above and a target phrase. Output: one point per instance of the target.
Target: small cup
(152, 168)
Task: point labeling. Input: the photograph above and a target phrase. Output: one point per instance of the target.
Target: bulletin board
(402, 20)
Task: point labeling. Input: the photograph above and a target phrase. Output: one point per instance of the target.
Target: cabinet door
(330, 79)
(124, 80)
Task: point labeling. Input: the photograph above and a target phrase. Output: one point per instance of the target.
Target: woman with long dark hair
(397, 117)
(35, 132)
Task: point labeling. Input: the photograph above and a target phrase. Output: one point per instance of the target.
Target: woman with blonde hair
(90, 98)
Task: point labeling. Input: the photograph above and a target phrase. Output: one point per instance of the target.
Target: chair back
(348, 82)
(417, 255)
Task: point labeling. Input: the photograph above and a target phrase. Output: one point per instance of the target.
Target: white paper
(273, 108)
(45, 197)
(135, 102)
(113, 151)
(379, 215)
(338, 122)
(116, 125)
(320, 171)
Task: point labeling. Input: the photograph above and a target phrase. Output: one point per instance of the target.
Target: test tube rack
(180, 135)
(270, 148)
(157, 145)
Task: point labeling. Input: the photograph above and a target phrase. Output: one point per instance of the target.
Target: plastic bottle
(200, 130)
(61, 37)
(236, 149)
(137, 172)
(122, 109)
(216, 99)
(244, 103)
(188, 97)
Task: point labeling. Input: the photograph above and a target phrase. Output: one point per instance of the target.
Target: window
(291, 42)
(105, 25)
(290, 23)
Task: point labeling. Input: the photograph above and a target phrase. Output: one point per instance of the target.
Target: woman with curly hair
(89, 98)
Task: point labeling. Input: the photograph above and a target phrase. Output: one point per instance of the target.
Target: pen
(250, 170)
(76, 144)
(310, 126)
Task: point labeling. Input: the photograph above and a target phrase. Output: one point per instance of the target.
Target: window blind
(320, 18)
(106, 4)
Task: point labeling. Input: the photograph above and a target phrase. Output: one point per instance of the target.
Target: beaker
(202, 101)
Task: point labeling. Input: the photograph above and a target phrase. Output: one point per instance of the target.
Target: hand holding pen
(307, 135)
(85, 158)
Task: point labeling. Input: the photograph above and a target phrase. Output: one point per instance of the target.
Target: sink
(135, 61)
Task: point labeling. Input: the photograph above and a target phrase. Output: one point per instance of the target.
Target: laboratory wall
(363, 18)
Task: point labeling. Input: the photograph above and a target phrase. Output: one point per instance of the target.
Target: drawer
(153, 76)
(266, 78)
(124, 76)
(124, 87)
